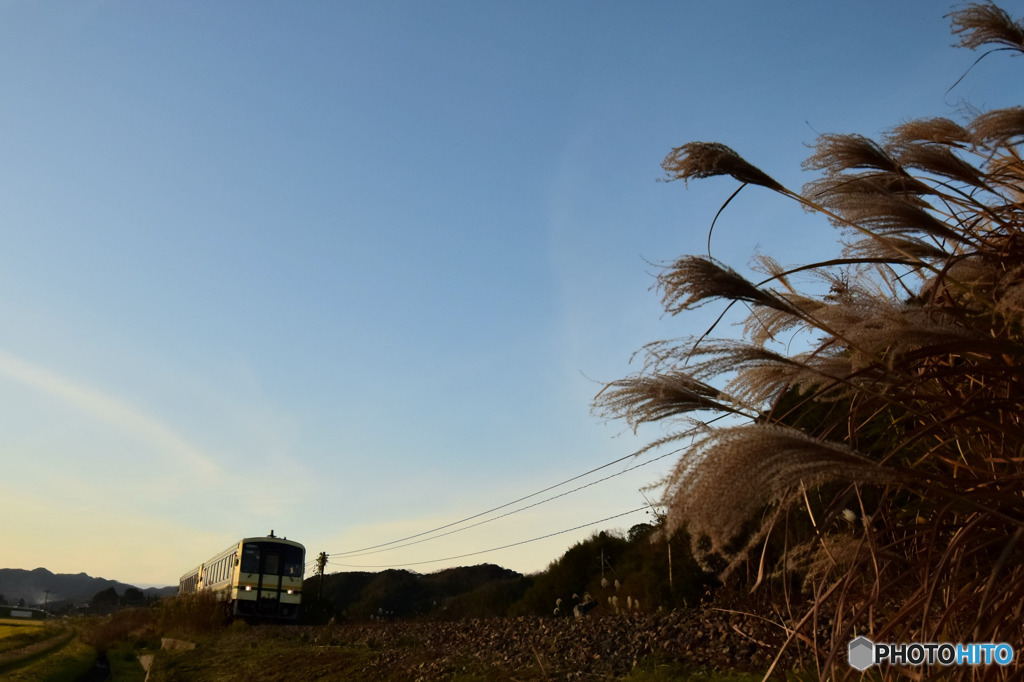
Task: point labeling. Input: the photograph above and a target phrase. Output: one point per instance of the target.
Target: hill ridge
(40, 586)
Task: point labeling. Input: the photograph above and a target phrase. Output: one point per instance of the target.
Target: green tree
(133, 596)
(568, 579)
(105, 600)
(894, 437)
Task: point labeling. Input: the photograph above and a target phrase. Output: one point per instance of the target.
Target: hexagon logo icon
(862, 653)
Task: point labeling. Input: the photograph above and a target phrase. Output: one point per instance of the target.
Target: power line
(355, 553)
(495, 549)
(483, 513)
(366, 550)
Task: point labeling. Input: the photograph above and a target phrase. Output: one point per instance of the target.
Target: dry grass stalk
(708, 159)
(905, 411)
(985, 23)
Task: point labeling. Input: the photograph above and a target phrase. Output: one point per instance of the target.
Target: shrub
(191, 614)
(131, 626)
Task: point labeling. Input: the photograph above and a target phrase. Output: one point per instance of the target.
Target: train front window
(250, 558)
(272, 558)
(293, 562)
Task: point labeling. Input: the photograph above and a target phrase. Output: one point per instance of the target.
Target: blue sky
(353, 271)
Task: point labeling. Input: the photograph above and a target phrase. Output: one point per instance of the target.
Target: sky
(355, 271)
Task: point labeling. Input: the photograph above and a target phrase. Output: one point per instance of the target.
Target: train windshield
(250, 558)
(272, 559)
(294, 562)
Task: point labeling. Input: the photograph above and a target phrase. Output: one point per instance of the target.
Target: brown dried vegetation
(884, 463)
(697, 641)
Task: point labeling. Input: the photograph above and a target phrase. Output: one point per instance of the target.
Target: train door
(269, 598)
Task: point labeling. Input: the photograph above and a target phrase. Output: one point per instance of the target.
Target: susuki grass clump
(134, 627)
(192, 614)
(894, 436)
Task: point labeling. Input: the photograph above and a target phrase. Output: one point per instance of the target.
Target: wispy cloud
(110, 410)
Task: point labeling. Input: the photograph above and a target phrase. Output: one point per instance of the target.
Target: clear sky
(355, 270)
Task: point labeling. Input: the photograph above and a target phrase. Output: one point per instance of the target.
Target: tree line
(611, 572)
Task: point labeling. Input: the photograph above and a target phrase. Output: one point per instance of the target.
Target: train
(257, 577)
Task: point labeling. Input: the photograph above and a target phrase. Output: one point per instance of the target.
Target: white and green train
(257, 577)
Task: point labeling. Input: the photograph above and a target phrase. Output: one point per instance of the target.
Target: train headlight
(248, 588)
(291, 591)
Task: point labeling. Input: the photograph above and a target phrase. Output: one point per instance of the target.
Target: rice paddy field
(16, 633)
(42, 651)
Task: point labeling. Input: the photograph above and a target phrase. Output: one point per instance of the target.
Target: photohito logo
(864, 653)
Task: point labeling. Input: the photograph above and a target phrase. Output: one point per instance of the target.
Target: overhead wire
(510, 513)
(495, 549)
(374, 549)
(362, 550)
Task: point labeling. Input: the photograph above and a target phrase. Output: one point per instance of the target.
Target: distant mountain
(468, 591)
(64, 588)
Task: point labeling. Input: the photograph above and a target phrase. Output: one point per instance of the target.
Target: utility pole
(668, 540)
(321, 563)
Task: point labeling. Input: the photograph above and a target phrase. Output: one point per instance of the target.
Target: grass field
(42, 651)
(15, 634)
(68, 663)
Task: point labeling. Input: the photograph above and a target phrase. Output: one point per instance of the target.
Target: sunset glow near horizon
(355, 271)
